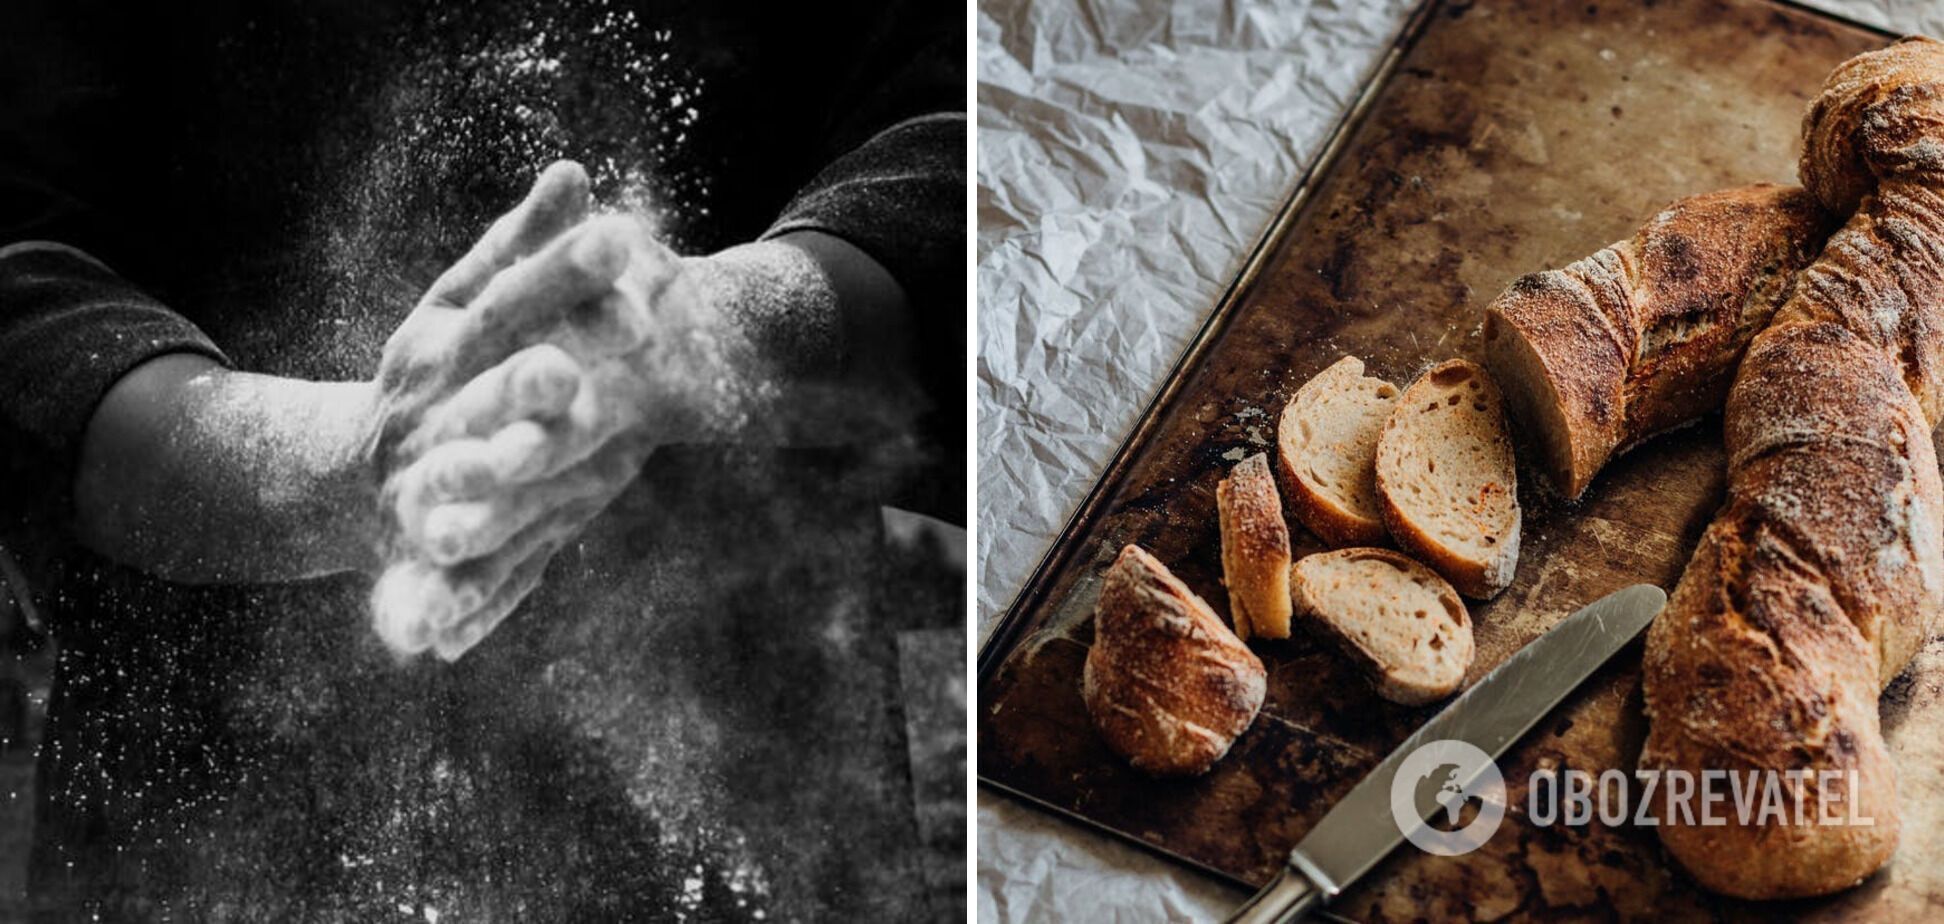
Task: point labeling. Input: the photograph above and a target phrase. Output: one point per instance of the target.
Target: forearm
(199, 474)
(813, 339)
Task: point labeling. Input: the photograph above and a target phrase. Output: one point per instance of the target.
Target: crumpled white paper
(1130, 152)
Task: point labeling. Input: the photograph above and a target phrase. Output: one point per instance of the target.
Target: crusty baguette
(1326, 446)
(1821, 574)
(1168, 685)
(1398, 620)
(1644, 335)
(1255, 549)
(1446, 481)
(1807, 591)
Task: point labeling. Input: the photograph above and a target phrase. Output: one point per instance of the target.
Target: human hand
(615, 346)
(504, 423)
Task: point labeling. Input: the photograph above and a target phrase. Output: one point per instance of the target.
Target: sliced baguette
(1326, 445)
(1167, 684)
(1445, 478)
(1255, 549)
(1398, 620)
(1644, 335)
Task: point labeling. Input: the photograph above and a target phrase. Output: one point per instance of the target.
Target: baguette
(1446, 482)
(1396, 619)
(1255, 549)
(1644, 336)
(1326, 446)
(1821, 575)
(1168, 686)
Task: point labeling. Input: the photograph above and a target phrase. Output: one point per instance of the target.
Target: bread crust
(1480, 578)
(1255, 549)
(1813, 587)
(1644, 335)
(1168, 686)
(1821, 575)
(1738, 679)
(1332, 522)
(1393, 687)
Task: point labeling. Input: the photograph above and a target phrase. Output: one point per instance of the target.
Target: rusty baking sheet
(1500, 137)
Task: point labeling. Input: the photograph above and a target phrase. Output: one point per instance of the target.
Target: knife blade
(1362, 828)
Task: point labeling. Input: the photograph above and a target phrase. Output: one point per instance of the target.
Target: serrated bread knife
(1364, 826)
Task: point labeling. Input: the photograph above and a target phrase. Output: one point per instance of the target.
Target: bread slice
(1403, 625)
(1255, 549)
(1326, 445)
(1445, 478)
(1168, 685)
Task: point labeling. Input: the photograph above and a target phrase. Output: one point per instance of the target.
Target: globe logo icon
(1435, 785)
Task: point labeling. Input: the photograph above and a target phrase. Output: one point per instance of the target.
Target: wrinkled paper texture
(1130, 153)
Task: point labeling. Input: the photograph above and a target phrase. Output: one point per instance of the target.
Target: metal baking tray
(1495, 138)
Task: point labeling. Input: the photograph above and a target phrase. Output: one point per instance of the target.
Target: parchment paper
(1130, 152)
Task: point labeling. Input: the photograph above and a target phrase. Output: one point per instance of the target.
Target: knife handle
(1288, 898)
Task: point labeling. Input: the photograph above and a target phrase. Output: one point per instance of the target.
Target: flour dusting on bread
(1821, 576)
(1169, 687)
(1255, 549)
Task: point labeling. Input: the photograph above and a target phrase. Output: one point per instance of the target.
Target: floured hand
(510, 422)
(613, 346)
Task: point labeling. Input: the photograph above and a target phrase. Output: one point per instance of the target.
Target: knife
(1365, 826)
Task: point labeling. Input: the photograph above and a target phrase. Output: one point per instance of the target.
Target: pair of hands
(514, 403)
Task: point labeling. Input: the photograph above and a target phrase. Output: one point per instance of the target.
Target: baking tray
(1495, 138)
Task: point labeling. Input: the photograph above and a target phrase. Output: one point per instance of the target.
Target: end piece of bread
(1255, 549)
(1326, 445)
(1403, 625)
(1644, 335)
(1446, 481)
(1168, 685)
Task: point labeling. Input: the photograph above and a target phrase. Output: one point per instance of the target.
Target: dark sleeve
(900, 197)
(69, 329)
